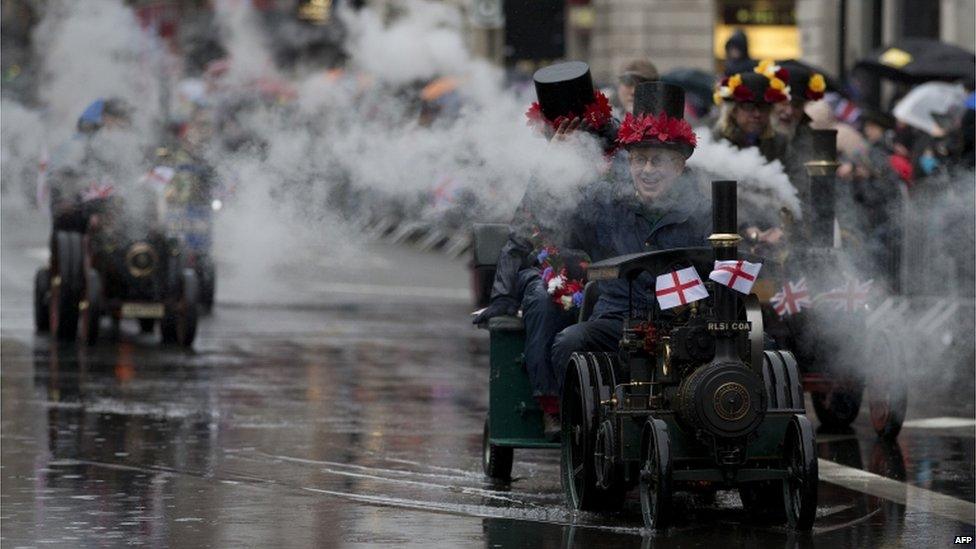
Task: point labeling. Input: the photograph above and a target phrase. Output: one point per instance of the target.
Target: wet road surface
(351, 416)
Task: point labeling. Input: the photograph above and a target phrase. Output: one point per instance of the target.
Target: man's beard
(784, 128)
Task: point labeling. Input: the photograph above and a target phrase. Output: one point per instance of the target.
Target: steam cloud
(348, 147)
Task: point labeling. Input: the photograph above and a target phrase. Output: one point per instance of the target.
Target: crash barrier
(423, 235)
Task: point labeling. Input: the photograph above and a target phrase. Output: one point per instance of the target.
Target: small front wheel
(655, 475)
(496, 460)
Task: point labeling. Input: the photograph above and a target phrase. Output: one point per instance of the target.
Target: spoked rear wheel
(655, 475)
(800, 486)
(578, 434)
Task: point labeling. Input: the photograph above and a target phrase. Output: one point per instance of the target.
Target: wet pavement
(351, 416)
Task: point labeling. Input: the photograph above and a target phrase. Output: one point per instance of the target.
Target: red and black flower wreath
(647, 128)
(596, 115)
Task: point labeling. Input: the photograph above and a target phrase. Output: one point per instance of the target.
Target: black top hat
(657, 97)
(658, 119)
(564, 89)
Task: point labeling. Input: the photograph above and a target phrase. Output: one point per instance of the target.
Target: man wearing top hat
(567, 101)
(661, 208)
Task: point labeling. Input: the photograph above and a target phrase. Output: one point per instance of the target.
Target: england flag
(736, 274)
(792, 299)
(679, 288)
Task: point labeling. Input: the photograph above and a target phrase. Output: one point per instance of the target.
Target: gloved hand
(500, 306)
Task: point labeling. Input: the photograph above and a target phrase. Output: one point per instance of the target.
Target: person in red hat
(746, 100)
(661, 208)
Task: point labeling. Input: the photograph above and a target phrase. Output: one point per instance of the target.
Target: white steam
(762, 184)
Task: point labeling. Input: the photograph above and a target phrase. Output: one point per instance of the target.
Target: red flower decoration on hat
(596, 114)
(773, 95)
(647, 128)
(534, 114)
(743, 94)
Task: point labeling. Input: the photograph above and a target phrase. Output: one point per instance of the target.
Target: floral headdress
(596, 115)
(661, 129)
(815, 87)
(746, 88)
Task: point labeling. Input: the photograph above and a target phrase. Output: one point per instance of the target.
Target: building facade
(832, 34)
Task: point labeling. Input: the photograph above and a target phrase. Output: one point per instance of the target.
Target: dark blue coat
(613, 223)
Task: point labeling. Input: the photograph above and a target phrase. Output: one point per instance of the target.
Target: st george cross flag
(679, 288)
(736, 274)
(792, 299)
(849, 297)
(96, 190)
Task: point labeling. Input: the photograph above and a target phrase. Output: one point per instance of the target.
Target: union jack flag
(848, 297)
(792, 299)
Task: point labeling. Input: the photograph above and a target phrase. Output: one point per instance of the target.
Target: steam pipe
(822, 170)
(725, 243)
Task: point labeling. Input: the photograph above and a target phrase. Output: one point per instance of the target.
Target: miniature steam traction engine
(691, 398)
(121, 267)
(820, 310)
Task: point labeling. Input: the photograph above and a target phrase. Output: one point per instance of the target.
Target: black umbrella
(916, 60)
(694, 81)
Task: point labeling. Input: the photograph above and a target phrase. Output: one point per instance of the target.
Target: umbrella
(916, 60)
(694, 81)
(933, 107)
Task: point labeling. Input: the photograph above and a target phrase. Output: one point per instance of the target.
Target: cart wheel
(886, 393)
(146, 325)
(496, 460)
(578, 434)
(90, 309)
(42, 300)
(800, 486)
(66, 286)
(838, 408)
(655, 475)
